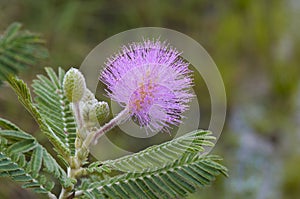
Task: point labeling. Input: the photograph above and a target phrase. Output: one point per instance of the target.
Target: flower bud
(95, 112)
(102, 111)
(89, 113)
(74, 85)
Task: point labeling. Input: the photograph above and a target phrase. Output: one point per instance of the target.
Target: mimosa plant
(149, 80)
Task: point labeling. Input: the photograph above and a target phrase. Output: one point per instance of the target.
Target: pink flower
(151, 81)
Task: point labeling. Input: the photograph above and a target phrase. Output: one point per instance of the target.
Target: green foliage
(169, 181)
(172, 169)
(54, 106)
(25, 98)
(24, 160)
(158, 156)
(19, 49)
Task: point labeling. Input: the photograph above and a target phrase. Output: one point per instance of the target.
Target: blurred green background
(255, 44)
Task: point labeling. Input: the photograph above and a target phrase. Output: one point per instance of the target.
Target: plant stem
(78, 115)
(82, 150)
(66, 193)
(119, 119)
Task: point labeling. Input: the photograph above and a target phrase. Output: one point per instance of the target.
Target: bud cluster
(90, 113)
(91, 110)
(94, 112)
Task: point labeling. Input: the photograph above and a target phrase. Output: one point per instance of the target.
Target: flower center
(142, 98)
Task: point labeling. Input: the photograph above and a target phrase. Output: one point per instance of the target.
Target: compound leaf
(19, 49)
(54, 106)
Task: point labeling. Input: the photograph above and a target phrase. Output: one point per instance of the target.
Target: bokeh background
(255, 44)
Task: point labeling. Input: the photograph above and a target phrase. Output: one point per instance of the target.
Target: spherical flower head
(151, 81)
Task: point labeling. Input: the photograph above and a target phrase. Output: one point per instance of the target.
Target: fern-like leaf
(156, 156)
(15, 146)
(171, 181)
(14, 166)
(54, 106)
(24, 96)
(169, 170)
(19, 49)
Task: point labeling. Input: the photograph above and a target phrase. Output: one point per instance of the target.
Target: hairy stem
(78, 114)
(76, 170)
(119, 119)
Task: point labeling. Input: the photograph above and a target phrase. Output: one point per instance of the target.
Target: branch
(119, 119)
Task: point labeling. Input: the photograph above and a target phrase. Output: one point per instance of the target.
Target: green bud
(102, 112)
(95, 112)
(74, 85)
(88, 112)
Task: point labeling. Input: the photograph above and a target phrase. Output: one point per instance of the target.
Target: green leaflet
(36, 160)
(19, 49)
(170, 181)
(22, 146)
(5, 124)
(157, 156)
(55, 108)
(14, 135)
